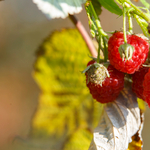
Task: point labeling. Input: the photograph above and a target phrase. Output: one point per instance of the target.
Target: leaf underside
(119, 122)
(60, 8)
(137, 143)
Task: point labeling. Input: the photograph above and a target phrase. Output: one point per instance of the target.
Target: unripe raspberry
(103, 88)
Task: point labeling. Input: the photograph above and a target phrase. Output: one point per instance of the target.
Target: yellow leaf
(141, 104)
(65, 104)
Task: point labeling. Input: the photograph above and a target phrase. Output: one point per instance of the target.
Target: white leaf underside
(59, 8)
(119, 122)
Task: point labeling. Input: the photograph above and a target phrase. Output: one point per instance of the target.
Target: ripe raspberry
(137, 84)
(110, 87)
(141, 48)
(146, 85)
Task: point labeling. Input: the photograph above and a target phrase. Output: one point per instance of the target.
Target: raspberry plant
(115, 74)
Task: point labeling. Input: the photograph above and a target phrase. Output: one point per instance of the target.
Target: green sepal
(97, 65)
(86, 69)
(145, 65)
(126, 51)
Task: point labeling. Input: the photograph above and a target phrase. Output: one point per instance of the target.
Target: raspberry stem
(141, 13)
(130, 23)
(140, 24)
(124, 23)
(95, 26)
(97, 21)
(99, 48)
(105, 50)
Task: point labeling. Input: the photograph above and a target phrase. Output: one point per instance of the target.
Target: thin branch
(84, 34)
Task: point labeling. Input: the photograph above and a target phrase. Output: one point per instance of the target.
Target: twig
(84, 34)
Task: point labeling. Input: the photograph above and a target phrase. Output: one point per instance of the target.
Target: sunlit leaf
(119, 122)
(60, 8)
(97, 6)
(145, 3)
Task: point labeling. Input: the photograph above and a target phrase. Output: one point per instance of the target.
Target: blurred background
(22, 29)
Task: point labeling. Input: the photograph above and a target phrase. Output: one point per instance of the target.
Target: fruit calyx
(96, 73)
(126, 51)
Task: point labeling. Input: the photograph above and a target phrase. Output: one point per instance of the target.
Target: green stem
(99, 48)
(91, 23)
(130, 23)
(140, 24)
(97, 21)
(105, 50)
(144, 15)
(124, 24)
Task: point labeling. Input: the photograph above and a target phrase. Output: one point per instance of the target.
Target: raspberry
(137, 84)
(146, 85)
(91, 62)
(110, 87)
(139, 56)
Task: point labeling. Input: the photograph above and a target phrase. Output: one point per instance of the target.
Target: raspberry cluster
(105, 83)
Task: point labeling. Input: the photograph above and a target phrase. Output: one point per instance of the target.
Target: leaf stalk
(142, 14)
(124, 24)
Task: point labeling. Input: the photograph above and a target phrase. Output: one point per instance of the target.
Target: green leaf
(146, 4)
(111, 6)
(59, 9)
(143, 24)
(97, 6)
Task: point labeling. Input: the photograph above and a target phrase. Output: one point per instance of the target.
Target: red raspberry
(146, 85)
(137, 84)
(109, 89)
(141, 48)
